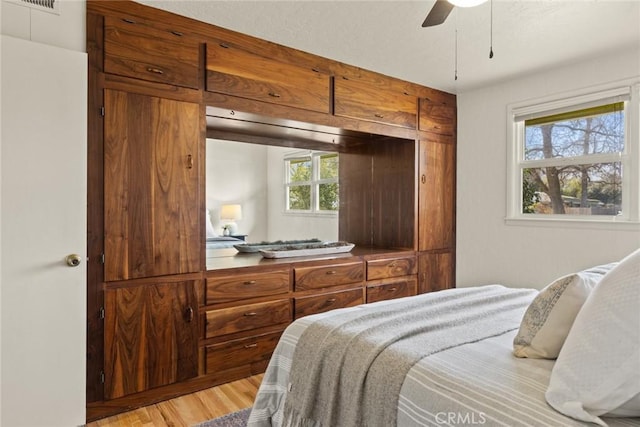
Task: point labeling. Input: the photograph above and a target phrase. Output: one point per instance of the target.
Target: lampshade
(466, 3)
(231, 212)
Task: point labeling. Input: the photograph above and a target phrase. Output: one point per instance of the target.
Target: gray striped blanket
(480, 382)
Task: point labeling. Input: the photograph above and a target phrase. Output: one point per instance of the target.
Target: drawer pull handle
(188, 314)
(155, 70)
(393, 289)
(251, 345)
(423, 178)
(128, 21)
(274, 95)
(189, 161)
(250, 282)
(177, 33)
(380, 116)
(253, 313)
(331, 300)
(329, 273)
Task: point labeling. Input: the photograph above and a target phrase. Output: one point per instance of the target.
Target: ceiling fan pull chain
(455, 71)
(455, 49)
(491, 32)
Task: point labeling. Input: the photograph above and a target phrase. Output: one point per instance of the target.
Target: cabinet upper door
(151, 336)
(151, 186)
(158, 53)
(438, 116)
(436, 200)
(375, 102)
(236, 72)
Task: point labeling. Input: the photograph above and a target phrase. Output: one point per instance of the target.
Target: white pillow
(548, 319)
(598, 369)
(210, 231)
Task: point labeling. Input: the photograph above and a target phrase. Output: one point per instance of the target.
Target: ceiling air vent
(52, 6)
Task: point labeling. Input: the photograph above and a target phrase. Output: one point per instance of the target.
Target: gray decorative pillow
(549, 317)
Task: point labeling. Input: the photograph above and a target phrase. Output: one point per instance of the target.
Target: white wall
(237, 174)
(65, 29)
(488, 250)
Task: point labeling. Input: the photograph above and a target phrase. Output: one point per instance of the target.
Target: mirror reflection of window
(311, 182)
(252, 176)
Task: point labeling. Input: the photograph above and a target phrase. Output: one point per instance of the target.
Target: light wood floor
(190, 409)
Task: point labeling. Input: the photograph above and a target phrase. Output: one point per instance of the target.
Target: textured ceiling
(387, 37)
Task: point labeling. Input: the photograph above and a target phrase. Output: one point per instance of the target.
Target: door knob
(73, 260)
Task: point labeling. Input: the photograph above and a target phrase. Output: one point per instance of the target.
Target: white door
(43, 219)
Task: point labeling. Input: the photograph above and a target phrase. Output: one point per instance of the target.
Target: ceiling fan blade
(439, 12)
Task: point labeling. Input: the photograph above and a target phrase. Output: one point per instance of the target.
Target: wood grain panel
(95, 210)
(385, 268)
(141, 51)
(393, 194)
(151, 337)
(437, 193)
(247, 351)
(304, 306)
(438, 116)
(392, 289)
(247, 317)
(231, 288)
(366, 101)
(151, 186)
(436, 271)
(236, 72)
(355, 198)
(327, 275)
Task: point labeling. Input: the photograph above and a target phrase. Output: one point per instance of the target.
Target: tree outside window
(572, 164)
(312, 183)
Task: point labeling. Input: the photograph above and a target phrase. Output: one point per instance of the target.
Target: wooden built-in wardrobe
(163, 319)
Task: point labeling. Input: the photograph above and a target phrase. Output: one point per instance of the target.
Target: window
(576, 158)
(311, 183)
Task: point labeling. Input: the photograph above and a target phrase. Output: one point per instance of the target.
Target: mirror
(253, 177)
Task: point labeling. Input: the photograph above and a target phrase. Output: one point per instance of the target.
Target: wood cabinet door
(151, 337)
(438, 116)
(436, 199)
(436, 271)
(236, 72)
(374, 102)
(158, 52)
(151, 186)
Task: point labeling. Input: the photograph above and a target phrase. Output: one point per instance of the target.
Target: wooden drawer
(246, 317)
(136, 49)
(324, 276)
(231, 288)
(437, 117)
(395, 267)
(367, 101)
(325, 302)
(242, 352)
(236, 72)
(399, 289)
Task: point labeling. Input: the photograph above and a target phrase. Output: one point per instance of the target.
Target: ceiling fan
(442, 8)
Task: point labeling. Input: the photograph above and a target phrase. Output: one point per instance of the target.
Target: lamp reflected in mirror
(229, 214)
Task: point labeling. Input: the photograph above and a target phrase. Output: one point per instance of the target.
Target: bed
(453, 365)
